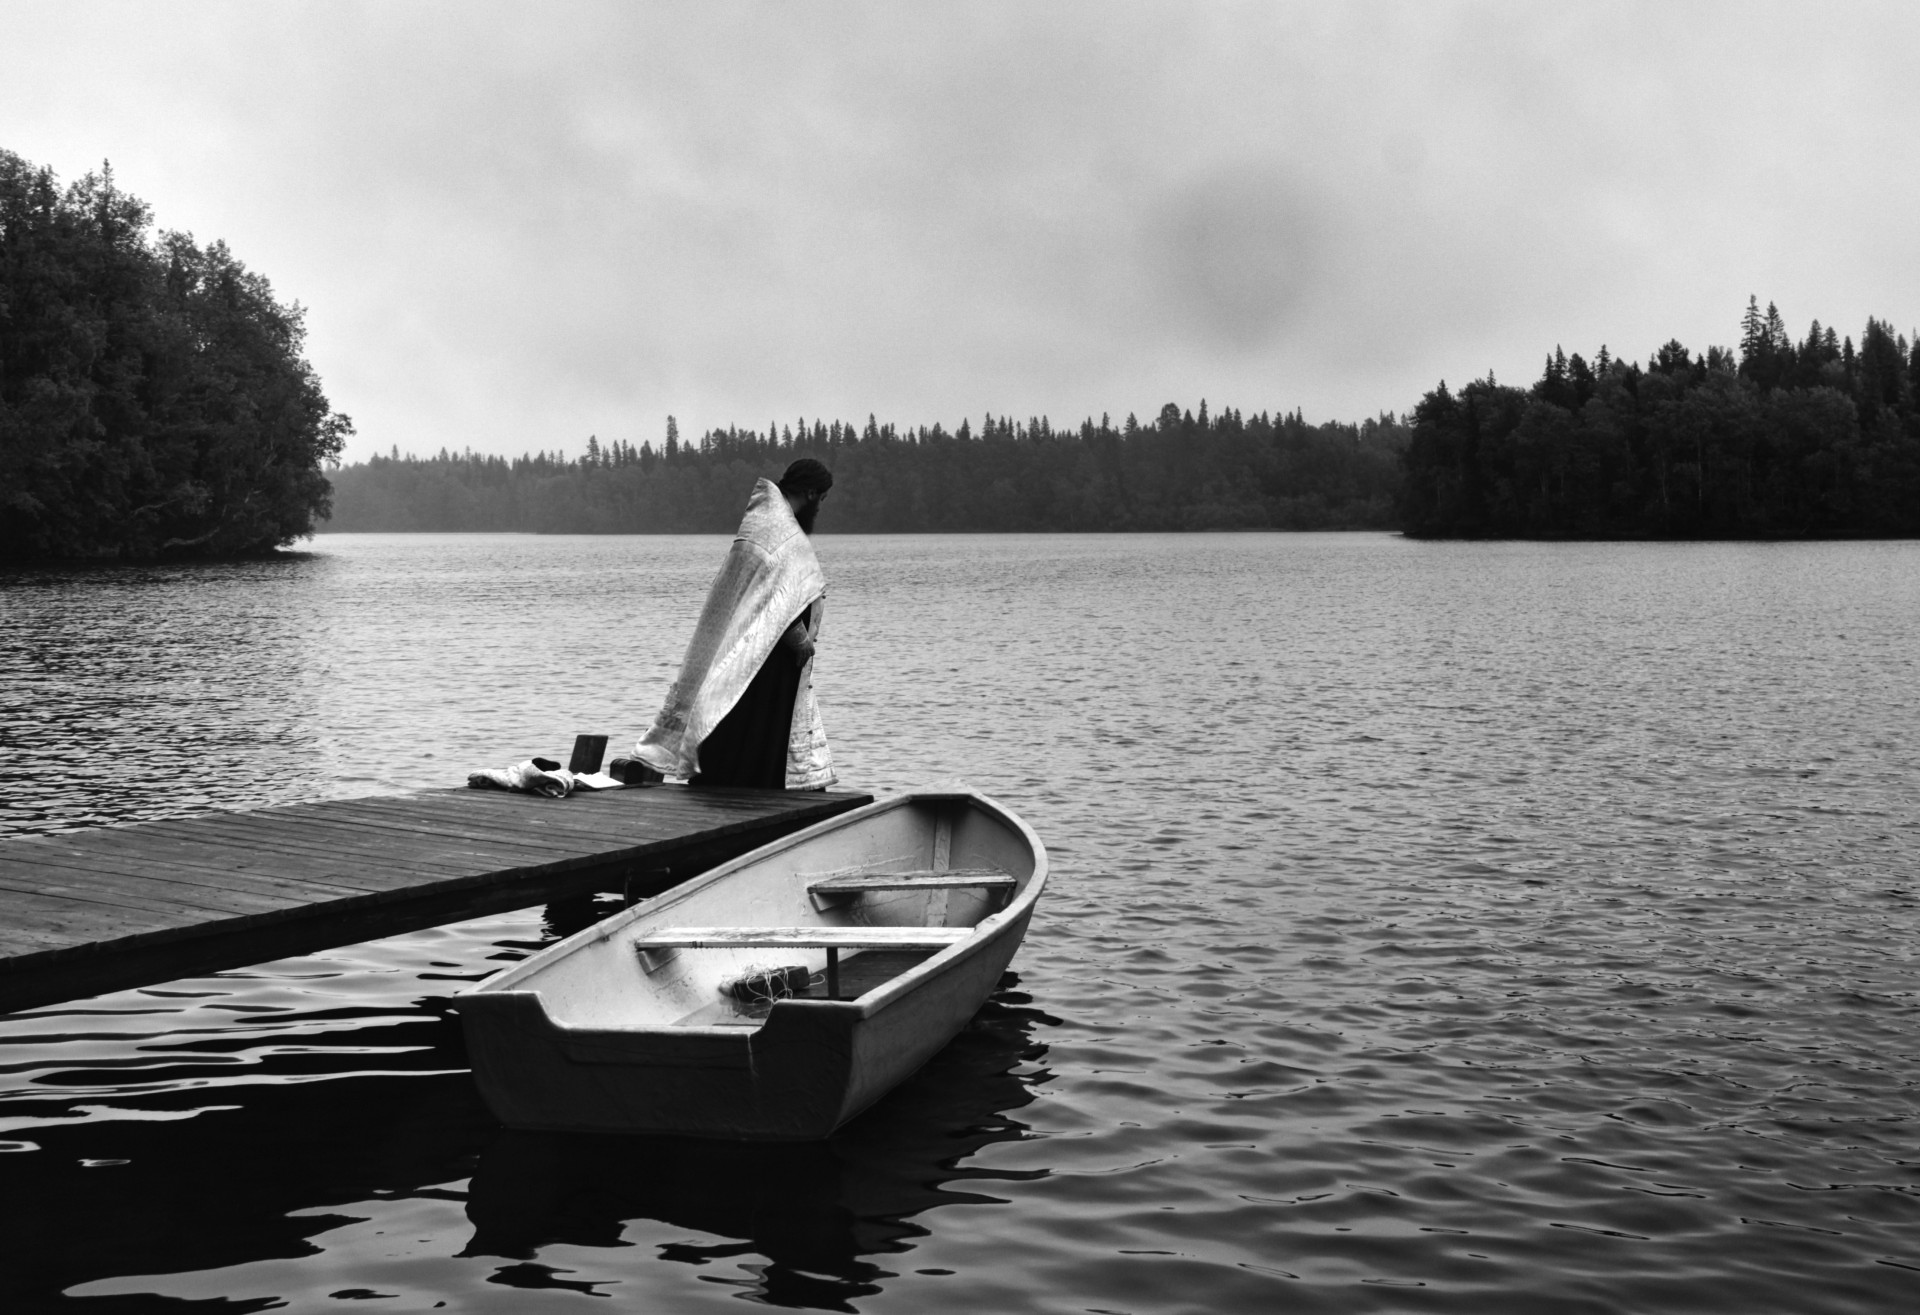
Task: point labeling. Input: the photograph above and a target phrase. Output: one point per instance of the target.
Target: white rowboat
(895, 921)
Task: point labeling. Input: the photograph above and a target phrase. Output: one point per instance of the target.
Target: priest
(742, 711)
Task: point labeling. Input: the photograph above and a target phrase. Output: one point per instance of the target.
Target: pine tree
(1671, 359)
(1753, 331)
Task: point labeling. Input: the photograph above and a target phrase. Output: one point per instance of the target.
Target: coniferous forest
(154, 402)
(1181, 472)
(153, 397)
(1815, 438)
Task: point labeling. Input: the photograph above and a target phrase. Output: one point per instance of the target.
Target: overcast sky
(514, 225)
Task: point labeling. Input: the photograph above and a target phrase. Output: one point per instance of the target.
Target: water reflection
(1531, 922)
(262, 1196)
(130, 693)
(816, 1213)
(233, 1184)
(133, 693)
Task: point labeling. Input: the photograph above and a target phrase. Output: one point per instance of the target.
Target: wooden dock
(109, 908)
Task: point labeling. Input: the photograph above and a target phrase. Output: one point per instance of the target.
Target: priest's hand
(799, 640)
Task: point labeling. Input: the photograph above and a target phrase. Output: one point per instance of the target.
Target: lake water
(1435, 927)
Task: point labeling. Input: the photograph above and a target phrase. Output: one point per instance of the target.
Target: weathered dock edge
(110, 908)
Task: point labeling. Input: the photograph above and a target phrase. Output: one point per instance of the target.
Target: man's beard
(808, 510)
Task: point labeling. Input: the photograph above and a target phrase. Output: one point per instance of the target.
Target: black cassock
(749, 746)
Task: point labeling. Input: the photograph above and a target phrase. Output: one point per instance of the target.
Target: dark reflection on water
(218, 1191)
(1435, 927)
(827, 1218)
(230, 1187)
(168, 1142)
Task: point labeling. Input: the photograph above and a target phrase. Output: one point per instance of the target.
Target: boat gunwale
(985, 933)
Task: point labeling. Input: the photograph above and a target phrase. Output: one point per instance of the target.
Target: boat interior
(834, 916)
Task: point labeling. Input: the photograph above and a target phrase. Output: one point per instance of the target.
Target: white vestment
(769, 580)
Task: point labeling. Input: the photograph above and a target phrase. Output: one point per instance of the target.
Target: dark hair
(806, 476)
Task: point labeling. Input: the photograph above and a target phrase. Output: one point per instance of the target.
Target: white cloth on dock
(555, 783)
(531, 778)
(769, 580)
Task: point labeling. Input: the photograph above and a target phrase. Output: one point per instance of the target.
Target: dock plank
(480, 812)
(476, 835)
(106, 908)
(235, 852)
(94, 860)
(135, 893)
(355, 817)
(65, 920)
(200, 862)
(334, 836)
(553, 835)
(345, 845)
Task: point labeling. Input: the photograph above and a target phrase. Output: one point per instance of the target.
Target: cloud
(1237, 256)
(518, 224)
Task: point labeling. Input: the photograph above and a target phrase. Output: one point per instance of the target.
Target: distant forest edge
(153, 396)
(1181, 472)
(1788, 440)
(154, 402)
(1784, 439)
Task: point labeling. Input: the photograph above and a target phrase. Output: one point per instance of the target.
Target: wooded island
(1806, 439)
(153, 398)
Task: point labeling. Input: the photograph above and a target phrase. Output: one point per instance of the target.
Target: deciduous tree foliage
(153, 398)
(1808, 439)
(1177, 473)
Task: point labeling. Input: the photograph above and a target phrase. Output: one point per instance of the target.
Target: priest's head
(805, 485)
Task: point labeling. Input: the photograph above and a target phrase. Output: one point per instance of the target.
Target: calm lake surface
(1435, 927)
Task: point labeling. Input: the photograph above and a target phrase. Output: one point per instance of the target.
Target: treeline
(153, 398)
(1181, 472)
(1815, 438)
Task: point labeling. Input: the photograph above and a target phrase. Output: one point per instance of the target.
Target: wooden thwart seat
(935, 879)
(832, 939)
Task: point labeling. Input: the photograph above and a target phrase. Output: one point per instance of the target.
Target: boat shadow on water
(216, 1205)
(814, 1211)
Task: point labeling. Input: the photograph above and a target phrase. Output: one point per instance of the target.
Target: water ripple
(1480, 928)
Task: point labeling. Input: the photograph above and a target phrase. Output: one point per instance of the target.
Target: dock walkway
(86, 912)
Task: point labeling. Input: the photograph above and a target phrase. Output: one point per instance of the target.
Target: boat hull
(808, 1068)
